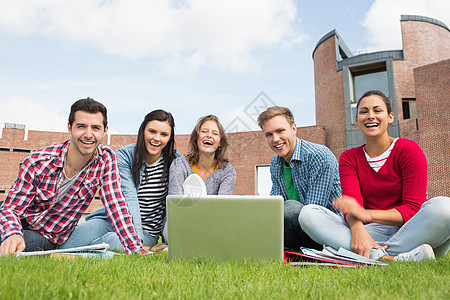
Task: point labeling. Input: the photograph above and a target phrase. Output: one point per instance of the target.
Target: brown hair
(377, 93)
(221, 154)
(88, 105)
(273, 112)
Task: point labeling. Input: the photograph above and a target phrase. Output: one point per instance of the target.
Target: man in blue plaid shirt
(57, 183)
(302, 172)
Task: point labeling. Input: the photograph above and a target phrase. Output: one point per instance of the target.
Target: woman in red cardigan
(386, 211)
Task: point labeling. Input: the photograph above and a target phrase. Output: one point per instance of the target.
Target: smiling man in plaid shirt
(56, 184)
(302, 172)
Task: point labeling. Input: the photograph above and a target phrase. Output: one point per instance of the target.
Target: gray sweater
(220, 182)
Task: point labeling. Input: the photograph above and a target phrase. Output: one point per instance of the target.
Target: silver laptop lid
(225, 227)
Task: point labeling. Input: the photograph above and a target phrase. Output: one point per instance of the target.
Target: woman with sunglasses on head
(384, 186)
(144, 172)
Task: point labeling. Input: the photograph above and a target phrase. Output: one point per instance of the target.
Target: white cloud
(238, 120)
(383, 19)
(35, 116)
(185, 34)
(245, 118)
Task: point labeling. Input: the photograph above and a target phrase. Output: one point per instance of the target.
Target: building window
(263, 181)
(366, 78)
(409, 108)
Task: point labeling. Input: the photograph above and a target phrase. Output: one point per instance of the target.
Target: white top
(377, 162)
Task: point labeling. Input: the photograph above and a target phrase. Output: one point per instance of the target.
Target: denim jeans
(431, 225)
(34, 241)
(99, 230)
(294, 236)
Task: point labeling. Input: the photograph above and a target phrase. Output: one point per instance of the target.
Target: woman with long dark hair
(144, 172)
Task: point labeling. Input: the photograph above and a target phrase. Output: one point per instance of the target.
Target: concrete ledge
(423, 19)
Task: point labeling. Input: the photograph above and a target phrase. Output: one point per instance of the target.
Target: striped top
(152, 197)
(377, 162)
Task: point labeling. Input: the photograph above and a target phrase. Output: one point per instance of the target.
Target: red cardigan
(401, 183)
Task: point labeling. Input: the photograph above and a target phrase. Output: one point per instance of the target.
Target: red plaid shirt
(36, 187)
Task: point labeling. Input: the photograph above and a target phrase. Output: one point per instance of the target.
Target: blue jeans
(294, 236)
(99, 230)
(431, 225)
(34, 241)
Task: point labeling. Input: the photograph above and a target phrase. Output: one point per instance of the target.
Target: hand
(146, 250)
(159, 247)
(13, 244)
(361, 241)
(349, 206)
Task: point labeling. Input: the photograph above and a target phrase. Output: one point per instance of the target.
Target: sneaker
(423, 252)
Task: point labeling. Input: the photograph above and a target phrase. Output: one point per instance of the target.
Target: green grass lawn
(139, 277)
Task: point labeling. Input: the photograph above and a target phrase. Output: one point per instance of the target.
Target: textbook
(328, 257)
(90, 251)
(97, 248)
(344, 253)
(311, 259)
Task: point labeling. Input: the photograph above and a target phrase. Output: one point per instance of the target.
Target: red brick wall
(119, 140)
(9, 166)
(408, 129)
(329, 93)
(181, 143)
(40, 139)
(424, 75)
(432, 84)
(423, 43)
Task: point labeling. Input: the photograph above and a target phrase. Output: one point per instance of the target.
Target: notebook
(223, 228)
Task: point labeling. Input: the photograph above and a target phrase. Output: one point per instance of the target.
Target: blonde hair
(273, 112)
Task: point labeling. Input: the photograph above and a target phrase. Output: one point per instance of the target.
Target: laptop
(221, 228)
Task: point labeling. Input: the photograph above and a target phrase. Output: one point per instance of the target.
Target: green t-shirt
(291, 191)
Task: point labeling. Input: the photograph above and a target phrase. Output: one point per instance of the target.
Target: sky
(191, 58)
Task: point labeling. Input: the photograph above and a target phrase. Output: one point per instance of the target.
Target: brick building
(416, 78)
